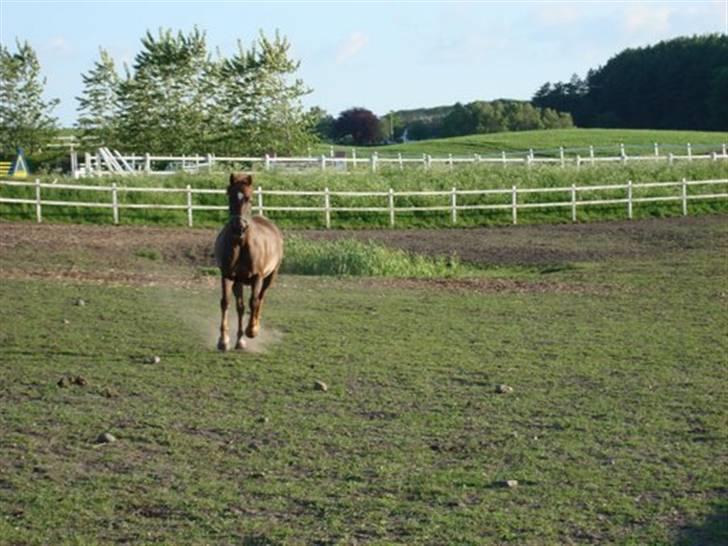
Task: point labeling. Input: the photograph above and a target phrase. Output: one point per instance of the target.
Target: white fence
(388, 198)
(106, 161)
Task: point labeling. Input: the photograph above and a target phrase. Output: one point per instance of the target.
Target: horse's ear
(247, 180)
(232, 178)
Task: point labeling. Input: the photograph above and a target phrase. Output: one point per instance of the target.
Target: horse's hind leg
(222, 343)
(259, 289)
(240, 303)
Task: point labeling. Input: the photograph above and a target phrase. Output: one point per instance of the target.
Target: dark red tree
(358, 124)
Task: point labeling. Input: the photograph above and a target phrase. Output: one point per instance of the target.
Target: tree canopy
(675, 84)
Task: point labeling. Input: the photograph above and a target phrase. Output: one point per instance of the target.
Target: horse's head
(240, 191)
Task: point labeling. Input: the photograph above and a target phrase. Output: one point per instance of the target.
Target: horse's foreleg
(255, 290)
(240, 303)
(222, 343)
(255, 312)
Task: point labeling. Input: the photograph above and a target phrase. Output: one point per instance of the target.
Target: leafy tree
(262, 101)
(25, 117)
(163, 105)
(323, 124)
(359, 125)
(99, 104)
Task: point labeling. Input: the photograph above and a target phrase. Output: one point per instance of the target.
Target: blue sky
(380, 55)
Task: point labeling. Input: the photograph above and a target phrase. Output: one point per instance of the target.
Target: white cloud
(647, 18)
(350, 47)
(560, 14)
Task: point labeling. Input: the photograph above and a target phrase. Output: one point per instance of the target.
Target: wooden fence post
(327, 208)
(684, 197)
(38, 213)
(391, 207)
(573, 202)
(629, 199)
(115, 203)
(453, 206)
(514, 205)
(189, 205)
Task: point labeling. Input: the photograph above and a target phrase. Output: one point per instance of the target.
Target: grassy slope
(605, 140)
(616, 429)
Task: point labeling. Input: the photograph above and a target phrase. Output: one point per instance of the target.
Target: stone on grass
(320, 386)
(153, 360)
(509, 483)
(80, 302)
(503, 389)
(105, 438)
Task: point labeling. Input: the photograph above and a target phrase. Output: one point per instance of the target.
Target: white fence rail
(388, 198)
(105, 161)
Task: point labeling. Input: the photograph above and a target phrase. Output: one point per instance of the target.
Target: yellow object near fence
(16, 168)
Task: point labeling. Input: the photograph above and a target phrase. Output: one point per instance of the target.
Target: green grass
(546, 143)
(349, 257)
(413, 178)
(616, 429)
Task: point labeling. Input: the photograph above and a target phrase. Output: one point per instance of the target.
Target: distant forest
(676, 84)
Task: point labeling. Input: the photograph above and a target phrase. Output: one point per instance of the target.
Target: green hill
(547, 142)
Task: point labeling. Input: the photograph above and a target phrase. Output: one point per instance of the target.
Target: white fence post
(327, 208)
(209, 163)
(399, 158)
(561, 156)
(453, 206)
(38, 214)
(449, 160)
(690, 152)
(591, 154)
(724, 151)
(323, 162)
(373, 160)
(147, 163)
(578, 161)
(115, 203)
(331, 151)
(260, 200)
(353, 158)
(514, 205)
(189, 205)
(429, 161)
(657, 150)
(684, 197)
(629, 199)
(267, 162)
(573, 202)
(503, 158)
(391, 207)
(670, 158)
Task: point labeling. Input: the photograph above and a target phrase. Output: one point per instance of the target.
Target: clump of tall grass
(348, 257)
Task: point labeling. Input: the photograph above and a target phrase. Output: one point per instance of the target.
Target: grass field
(412, 178)
(615, 430)
(547, 142)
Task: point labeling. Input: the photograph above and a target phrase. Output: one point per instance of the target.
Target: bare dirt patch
(175, 256)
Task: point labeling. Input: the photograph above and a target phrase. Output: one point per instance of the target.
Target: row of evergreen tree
(676, 84)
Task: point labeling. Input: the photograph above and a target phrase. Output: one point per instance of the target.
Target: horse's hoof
(251, 332)
(222, 345)
(240, 345)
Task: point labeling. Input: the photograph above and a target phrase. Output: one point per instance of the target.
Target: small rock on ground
(510, 483)
(105, 438)
(80, 302)
(503, 389)
(320, 386)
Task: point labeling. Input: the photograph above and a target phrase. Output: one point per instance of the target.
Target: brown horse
(248, 250)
